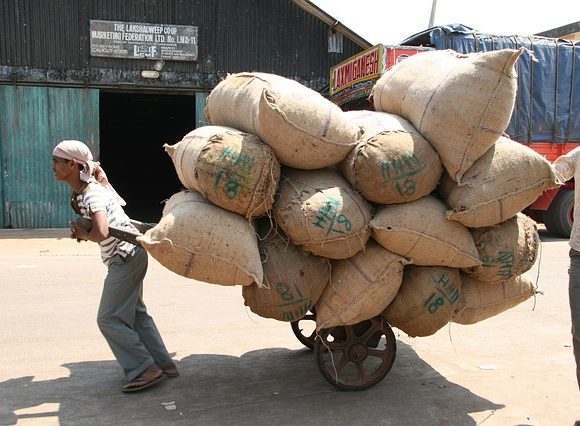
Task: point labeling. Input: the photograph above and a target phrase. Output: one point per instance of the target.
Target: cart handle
(121, 234)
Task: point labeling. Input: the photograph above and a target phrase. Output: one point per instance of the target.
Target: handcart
(351, 357)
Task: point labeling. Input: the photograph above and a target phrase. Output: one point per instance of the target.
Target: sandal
(152, 375)
(170, 370)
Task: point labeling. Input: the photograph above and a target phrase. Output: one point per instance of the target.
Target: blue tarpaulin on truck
(547, 105)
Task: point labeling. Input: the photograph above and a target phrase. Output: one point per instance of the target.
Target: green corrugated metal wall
(32, 121)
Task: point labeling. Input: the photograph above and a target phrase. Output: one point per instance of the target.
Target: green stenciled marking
(289, 294)
(407, 187)
(284, 291)
(401, 167)
(232, 182)
(291, 297)
(433, 302)
(242, 162)
(487, 261)
(400, 170)
(445, 292)
(448, 289)
(297, 313)
(504, 262)
(328, 218)
(236, 166)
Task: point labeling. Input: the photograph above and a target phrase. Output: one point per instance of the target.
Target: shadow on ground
(263, 387)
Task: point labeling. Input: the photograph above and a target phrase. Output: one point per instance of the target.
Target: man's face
(62, 168)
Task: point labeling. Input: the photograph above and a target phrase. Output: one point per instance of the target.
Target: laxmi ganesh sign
(134, 40)
(354, 78)
(364, 66)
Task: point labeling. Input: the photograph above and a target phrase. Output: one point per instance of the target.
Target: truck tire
(560, 215)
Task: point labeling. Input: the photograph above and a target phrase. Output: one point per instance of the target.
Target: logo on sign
(401, 57)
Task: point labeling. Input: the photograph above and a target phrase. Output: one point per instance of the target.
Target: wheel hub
(358, 352)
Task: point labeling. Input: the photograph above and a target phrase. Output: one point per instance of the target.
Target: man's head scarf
(78, 151)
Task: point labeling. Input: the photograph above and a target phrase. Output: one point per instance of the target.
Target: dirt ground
(237, 368)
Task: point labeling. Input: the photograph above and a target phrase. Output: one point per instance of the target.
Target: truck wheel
(560, 215)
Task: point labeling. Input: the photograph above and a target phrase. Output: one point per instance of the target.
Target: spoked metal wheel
(356, 357)
(305, 329)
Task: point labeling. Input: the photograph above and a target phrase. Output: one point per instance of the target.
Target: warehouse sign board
(114, 39)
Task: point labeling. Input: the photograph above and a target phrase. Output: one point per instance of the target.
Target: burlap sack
(481, 300)
(232, 169)
(446, 185)
(305, 130)
(199, 240)
(460, 103)
(419, 231)
(372, 121)
(322, 213)
(507, 179)
(392, 163)
(294, 280)
(426, 301)
(506, 250)
(360, 287)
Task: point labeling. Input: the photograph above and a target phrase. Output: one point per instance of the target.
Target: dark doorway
(133, 129)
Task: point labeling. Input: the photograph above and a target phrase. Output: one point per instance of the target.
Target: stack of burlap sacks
(411, 211)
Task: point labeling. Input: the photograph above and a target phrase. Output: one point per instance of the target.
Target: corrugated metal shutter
(32, 121)
(49, 41)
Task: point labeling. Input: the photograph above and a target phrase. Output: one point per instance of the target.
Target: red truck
(546, 115)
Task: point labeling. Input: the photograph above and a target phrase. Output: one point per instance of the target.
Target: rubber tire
(558, 218)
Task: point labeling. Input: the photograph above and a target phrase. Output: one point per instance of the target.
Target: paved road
(241, 369)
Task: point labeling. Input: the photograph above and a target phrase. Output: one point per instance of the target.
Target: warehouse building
(127, 77)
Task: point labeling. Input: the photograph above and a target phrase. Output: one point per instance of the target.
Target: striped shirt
(97, 198)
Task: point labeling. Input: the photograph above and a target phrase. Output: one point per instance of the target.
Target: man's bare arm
(99, 230)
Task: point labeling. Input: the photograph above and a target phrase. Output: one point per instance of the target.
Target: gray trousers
(574, 293)
(123, 319)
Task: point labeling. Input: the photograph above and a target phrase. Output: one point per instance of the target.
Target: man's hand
(80, 229)
(76, 230)
(96, 229)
